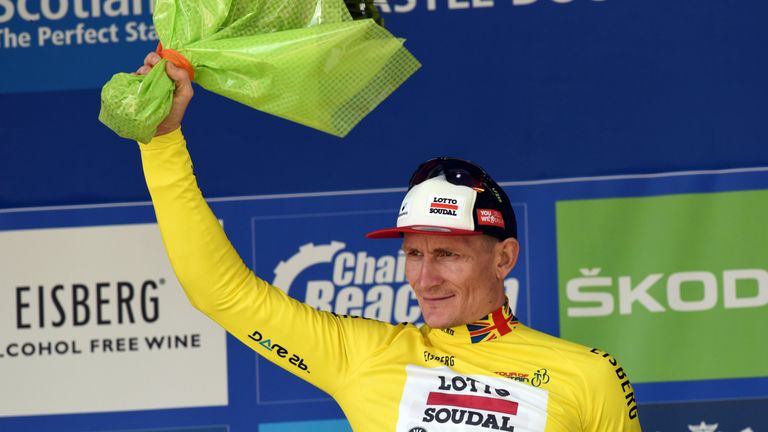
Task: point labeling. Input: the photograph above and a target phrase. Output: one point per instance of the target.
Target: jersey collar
(492, 326)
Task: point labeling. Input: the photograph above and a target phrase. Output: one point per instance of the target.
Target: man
(472, 367)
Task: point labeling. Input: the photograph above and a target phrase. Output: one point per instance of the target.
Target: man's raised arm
(319, 347)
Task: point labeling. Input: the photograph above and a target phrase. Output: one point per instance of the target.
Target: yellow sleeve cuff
(173, 137)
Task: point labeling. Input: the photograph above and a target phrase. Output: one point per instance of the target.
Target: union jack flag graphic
(492, 326)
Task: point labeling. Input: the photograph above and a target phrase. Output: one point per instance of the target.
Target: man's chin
(439, 322)
(439, 314)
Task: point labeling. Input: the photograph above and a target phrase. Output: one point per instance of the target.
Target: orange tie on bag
(177, 59)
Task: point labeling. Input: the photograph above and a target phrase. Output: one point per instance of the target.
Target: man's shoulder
(582, 357)
(596, 375)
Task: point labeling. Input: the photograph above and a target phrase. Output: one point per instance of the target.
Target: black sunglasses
(456, 171)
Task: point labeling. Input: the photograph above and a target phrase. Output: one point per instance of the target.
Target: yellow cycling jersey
(494, 374)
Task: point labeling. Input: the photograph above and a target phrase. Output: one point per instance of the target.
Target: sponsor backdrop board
(689, 266)
(91, 309)
(599, 257)
(667, 273)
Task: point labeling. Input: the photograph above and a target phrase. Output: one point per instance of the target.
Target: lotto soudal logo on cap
(445, 206)
(434, 206)
(490, 217)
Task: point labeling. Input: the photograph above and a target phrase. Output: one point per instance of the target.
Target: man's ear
(506, 257)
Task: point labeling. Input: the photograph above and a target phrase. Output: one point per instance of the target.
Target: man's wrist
(170, 137)
(166, 129)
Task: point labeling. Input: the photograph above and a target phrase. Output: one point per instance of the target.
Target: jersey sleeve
(319, 347)
(610, 403)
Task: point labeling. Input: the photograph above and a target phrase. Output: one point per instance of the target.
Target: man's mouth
(435, 299)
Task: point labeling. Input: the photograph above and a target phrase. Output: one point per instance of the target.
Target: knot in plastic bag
(177, 59)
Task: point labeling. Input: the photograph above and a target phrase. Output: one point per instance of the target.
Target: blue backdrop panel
(719, 415)
(529, 89)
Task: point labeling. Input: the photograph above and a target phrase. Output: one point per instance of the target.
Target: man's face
(457, 280)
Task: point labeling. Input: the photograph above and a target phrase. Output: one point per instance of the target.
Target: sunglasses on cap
(459, 172)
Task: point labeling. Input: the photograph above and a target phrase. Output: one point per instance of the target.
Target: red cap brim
(419, 229)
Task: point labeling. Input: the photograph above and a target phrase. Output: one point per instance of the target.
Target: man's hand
(181, 96)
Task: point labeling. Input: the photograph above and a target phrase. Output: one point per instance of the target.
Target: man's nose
(429, 274)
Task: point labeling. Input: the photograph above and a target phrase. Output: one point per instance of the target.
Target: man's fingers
(180, 75)
(176, 73)
(151, 59)
(183, 92)
(181, 97)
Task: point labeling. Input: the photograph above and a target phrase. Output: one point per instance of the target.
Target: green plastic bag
(304, 60)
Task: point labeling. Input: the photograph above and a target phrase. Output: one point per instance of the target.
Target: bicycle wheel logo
(540, 377)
